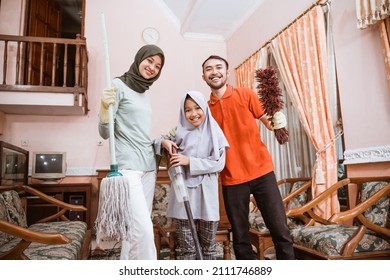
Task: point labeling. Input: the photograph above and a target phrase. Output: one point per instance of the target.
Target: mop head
(114, 219)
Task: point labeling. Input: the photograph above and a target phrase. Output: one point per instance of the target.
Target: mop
(176, 174)
(114, 216)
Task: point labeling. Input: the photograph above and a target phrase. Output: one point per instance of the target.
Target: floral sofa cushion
(160, 202)
(377, 213)
(11, 210)
(301, 198)
(13, 204)
(74, 230)
(4, 238)
(329, 240)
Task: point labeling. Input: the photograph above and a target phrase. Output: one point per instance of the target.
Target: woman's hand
(179, 159)
(169, 145)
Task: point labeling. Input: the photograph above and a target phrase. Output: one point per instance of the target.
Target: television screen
(48, 165)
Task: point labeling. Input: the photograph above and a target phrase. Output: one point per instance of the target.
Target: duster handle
(110, 109)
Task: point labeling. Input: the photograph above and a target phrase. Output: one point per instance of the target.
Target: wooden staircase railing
(42, 64)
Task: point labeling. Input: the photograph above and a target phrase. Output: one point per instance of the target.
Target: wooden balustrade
(43, 64)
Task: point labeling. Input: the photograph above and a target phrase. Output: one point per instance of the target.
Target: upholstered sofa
(48, 239)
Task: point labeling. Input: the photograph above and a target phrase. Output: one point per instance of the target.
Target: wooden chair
(298, 190)
(362, 232)
(40, 240)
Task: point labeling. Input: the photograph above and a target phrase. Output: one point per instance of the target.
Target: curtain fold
(368, 12)
(298, 152)
(384, 28)
(301, 55)
(245, 73)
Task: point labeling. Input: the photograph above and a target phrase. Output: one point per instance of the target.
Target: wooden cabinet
(73, 193)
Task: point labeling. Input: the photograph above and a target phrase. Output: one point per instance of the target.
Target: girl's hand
(170, 146)
(179, 159)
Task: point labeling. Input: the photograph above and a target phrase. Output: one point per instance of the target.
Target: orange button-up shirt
(247, 158)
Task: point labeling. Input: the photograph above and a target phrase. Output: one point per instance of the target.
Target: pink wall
(365, 98)
(125, 21)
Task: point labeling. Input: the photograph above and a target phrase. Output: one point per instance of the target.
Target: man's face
(215, 73)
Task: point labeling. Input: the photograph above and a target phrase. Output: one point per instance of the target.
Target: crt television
(13, 165)
(48, 166)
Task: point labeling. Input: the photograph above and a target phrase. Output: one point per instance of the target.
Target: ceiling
(194, 19)
(209, 19)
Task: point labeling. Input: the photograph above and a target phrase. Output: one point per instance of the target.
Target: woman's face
(193, 113)
(150, 67)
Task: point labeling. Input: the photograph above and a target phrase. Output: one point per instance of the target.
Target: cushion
(4, 238)
(74, 230)
(330, 239)
(161, 195)
(16, 214)
(377, 213)
(160, 202)
(301, 198)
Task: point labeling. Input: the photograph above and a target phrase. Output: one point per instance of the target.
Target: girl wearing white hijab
(201, 148)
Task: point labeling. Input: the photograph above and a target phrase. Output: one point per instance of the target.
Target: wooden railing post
(5, 62)
(17, 78)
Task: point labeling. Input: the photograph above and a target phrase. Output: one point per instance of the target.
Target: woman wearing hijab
(133, 146)
(201, 148)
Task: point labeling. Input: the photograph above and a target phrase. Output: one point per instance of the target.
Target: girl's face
(193, 113)
(150, 67)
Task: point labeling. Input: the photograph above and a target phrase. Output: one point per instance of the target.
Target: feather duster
(271, 97)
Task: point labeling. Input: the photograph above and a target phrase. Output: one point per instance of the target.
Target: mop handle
(108, 80)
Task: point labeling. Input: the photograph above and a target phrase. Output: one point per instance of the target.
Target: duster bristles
(271, 97)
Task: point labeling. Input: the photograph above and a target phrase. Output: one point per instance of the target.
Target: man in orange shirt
(249, 167)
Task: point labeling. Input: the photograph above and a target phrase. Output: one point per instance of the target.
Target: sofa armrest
(32, 236)
(307, 209)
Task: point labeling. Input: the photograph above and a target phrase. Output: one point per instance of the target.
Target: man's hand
(278, 120)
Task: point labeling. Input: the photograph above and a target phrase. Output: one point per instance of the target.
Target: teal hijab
(133, 78)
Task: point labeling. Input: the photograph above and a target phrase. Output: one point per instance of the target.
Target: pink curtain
(376, 13)
(368, 12)
(245, 73)
(384, 28)
(301, 54)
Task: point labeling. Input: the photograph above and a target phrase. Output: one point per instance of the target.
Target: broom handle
(108, 80)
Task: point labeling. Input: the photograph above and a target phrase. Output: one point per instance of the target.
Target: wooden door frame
(82, 26)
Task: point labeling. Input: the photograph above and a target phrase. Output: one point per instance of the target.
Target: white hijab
(203, 141)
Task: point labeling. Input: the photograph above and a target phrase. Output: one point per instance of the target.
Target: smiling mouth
(195, 119)
(215, 78)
